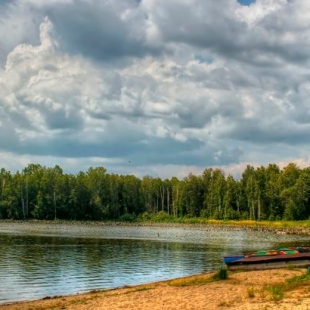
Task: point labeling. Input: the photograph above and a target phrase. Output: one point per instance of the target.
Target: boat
(282, 257)
(231, 259)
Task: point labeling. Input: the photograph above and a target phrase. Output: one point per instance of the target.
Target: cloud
(19, 23)
(64, 106)
(102, 31)
(157, 83)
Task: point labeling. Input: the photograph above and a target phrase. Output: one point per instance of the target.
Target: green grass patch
(140, 289)
(277, 291)
(165, 218)
(201, 280)
(222, 274)
(191, 281)
(298, 281)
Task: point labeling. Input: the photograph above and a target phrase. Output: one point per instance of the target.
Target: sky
(154, 87)
(246, 2)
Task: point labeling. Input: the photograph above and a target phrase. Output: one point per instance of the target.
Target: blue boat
(233, 258)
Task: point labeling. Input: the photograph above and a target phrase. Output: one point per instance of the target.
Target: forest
(261, 193)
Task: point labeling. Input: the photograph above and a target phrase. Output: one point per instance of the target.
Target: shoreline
(242, 290)
(226, 294)
(298, 230)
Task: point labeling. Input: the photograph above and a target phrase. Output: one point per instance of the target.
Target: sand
(242, 290)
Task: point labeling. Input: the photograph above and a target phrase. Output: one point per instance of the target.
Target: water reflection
(33, 267)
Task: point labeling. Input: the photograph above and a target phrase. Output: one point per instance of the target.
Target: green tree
(96, 180)
(274, 209)
(249, 186)
(192, 196)
(288, 191)
(131, 195)
(230, 199)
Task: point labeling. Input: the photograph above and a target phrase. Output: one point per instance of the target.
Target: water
(35, 265)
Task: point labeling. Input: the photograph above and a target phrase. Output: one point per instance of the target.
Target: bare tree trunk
(168, 200)
(157, 203)
(2, 191)
(162, 197)
(22, 200)
(27, 198)
(175, 203)
(258, 207)
(211, 205)
(54, 199)
(253, 209)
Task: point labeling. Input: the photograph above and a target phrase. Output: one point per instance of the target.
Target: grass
(277, 291)
(140, 289)
(298, 281)
(191, 281)
(163, 217)
(251, 292)
(221, 274)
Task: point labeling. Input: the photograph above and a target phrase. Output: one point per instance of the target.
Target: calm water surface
(40, 265)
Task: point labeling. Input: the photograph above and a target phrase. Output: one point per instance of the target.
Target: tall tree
(192, 196)
(249, 186)
(288, 178)
(230, 199)
(274, 209)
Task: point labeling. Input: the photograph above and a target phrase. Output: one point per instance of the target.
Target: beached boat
(298, 257)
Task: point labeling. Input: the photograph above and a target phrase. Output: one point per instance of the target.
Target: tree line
(261, 193)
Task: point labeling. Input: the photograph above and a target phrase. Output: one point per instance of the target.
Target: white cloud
(259, 10)
(169, 86)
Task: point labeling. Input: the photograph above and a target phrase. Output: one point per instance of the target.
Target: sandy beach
(242, 290)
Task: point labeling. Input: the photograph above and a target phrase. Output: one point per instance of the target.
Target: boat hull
(231, 259)
(271, 262)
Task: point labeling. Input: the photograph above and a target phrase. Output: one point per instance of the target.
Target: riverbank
(245, 290)
(253, 290)
(285, 228)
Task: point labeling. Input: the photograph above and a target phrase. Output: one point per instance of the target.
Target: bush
(161, 216)
(128, 217)
(222, 274)
(145, 216)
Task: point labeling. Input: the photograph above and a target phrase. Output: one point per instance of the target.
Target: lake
(51, 260)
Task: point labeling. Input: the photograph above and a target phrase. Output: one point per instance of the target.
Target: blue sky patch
(246, 2)
(204, 59)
